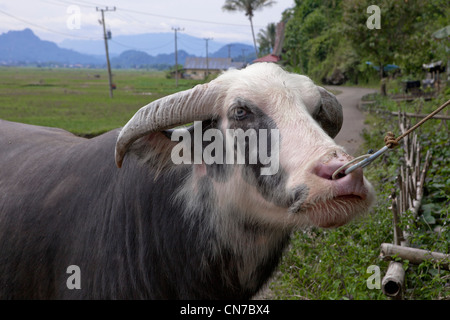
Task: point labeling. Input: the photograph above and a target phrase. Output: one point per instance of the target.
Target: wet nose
(326, 169)
(344, 185)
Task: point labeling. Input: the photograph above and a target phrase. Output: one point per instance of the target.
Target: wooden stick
(413, 185)
(409, 188)
(407, 114)
(398, 234)
(414, 151)
(420, 184)
(402, 186)
(392, 283)
(415, 256)
(418, 124)
(417, 165)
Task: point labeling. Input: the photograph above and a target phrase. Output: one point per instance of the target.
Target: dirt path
(350, 135)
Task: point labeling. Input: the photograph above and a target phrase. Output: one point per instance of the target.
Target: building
(198, 68)
(269, 58)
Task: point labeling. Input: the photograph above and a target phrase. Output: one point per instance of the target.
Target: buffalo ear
(329, 113)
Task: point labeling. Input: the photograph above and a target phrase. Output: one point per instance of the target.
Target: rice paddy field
(78, 100)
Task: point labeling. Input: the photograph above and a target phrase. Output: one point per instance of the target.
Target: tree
(308, 42)
(402, 28)
(249, 7)
(327, 37)
(266, 38)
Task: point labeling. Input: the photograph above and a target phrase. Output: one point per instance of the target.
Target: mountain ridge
(25, 48)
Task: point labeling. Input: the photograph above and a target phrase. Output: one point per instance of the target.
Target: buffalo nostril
(329, 170)
(329, 174)
(338, 176)
(325, 171)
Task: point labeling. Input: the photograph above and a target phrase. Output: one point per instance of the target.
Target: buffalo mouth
(336, 209)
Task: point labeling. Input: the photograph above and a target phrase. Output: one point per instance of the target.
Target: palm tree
(266, 38)
(249, 7)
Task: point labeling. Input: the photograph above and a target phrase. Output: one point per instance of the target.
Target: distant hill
(151, 43)
(24, 47)
(236, 50)
(131, 59)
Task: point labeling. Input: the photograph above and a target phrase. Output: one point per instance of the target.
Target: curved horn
(329, 113)
(168, 112)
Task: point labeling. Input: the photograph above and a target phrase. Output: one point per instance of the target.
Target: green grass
(78, 99)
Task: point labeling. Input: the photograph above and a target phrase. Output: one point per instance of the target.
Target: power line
(243, 54)
(229, 50)
(89, 4)
(92, 5)
(82, 4)
(53, 3)
(188, 46)
(130, 11)
(44, 28)
(131, 19)
(184, 19)
(139, 48)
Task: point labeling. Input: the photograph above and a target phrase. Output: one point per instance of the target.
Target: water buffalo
(113, 217)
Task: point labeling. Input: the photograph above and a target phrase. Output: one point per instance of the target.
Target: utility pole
(106, 47)
(176, 55)
(243, 54)
(229, 50)
(207, 59)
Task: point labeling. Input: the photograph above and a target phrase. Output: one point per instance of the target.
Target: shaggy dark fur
(64, 202)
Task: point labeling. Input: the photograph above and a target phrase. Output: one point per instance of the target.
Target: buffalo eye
(240, 113)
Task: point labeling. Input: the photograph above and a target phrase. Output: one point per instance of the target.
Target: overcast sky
(55, 20)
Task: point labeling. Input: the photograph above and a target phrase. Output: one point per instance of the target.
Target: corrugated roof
(213, 63)
(268, 58)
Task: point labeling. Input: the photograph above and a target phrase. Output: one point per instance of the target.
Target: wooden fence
(410, 182)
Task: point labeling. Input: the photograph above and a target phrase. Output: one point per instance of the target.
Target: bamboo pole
(402, 187)
(421, 116)
(414, 255)
(410, 190)
(420, 184)
(392, 283)
(398, 234)
(417, 165)
(367, 106)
